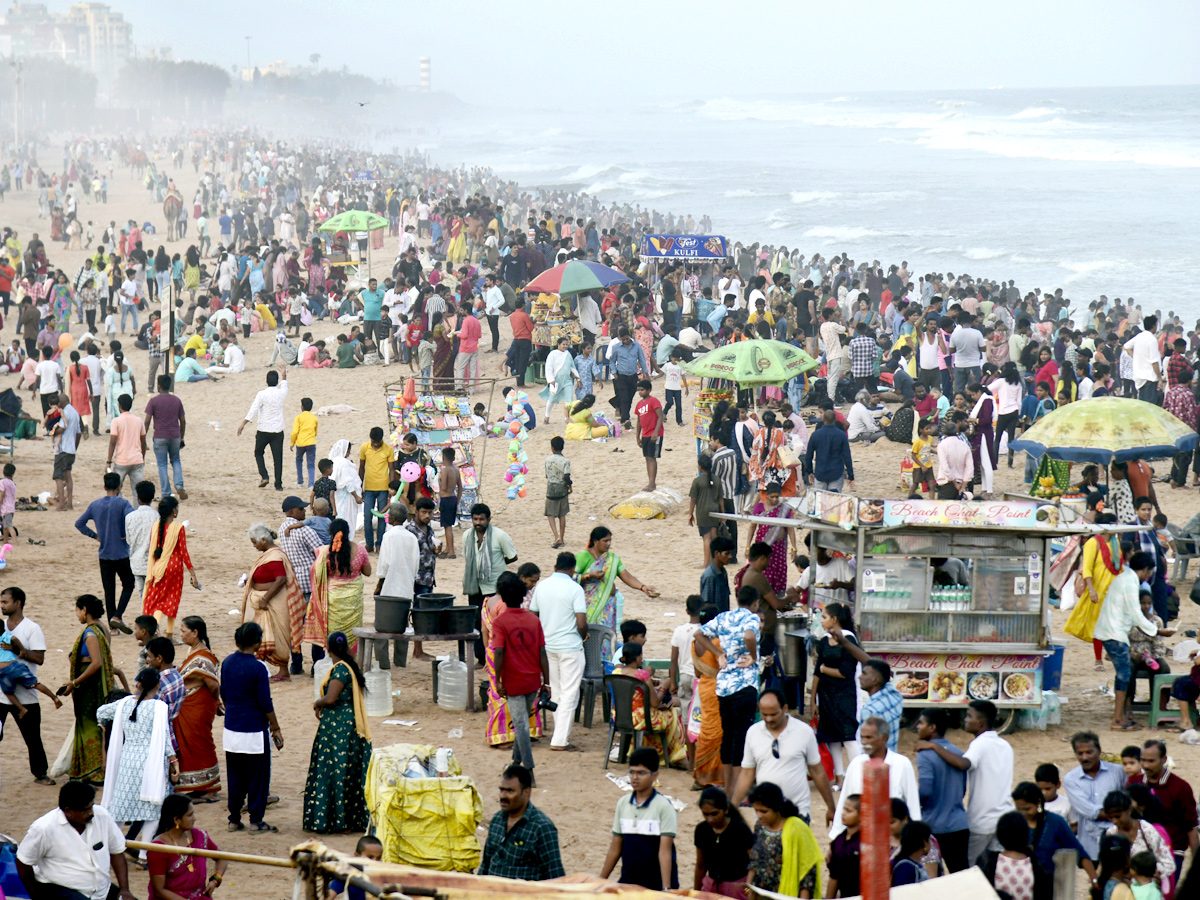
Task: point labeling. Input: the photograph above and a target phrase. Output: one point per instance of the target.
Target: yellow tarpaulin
(425, 822)
(649, 505)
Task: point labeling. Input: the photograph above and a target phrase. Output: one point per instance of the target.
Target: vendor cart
(953, 595)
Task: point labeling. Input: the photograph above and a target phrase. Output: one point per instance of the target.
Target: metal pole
(875, 871)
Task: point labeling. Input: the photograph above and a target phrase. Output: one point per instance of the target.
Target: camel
(171, 209)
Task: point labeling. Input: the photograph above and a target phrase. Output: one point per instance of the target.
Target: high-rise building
(91, 35)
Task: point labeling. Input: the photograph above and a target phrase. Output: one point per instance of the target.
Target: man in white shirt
(988, 763)
(268, 407)
(589, 318)
(29, 645)
(731, 285)
(399, 561)
(783, 751)
(561, 606)
(96, 377)
(1142, 348)
(835, 573)
(233, 360)
(1119, 614)
(138, 527)
(50, 380)
(862, 425)
(68, 851)
(493, 308)
(129, 299)
(902, 780)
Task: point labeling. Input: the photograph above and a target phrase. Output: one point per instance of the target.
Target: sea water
(1093, 190)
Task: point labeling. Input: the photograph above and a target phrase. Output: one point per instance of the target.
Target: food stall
(686, 248)
(953, 595)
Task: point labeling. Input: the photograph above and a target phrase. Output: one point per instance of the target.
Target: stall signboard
(955, 679)
(357, 175)
(968, 514)
(683, 246)
(834, 508)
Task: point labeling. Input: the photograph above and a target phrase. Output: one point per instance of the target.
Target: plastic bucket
(428, 621)
(433, 601)
(461, 619)
(391, 614)
(1053, 668)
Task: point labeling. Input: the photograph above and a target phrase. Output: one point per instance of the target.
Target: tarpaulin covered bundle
(424, 822)
(649, 505)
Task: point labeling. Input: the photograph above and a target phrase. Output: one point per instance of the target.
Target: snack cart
(953, 595)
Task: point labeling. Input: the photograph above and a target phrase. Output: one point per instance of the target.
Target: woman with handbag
(766, 466)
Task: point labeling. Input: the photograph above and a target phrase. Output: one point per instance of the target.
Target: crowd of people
(966, 362)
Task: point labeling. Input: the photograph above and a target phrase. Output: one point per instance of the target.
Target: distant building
(90, 35)
(279, 68)
(426, 80)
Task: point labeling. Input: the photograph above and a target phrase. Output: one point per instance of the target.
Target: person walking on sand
(558, 491)
(108, 515)
(268, 408)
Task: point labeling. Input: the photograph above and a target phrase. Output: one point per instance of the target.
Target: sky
(484, 51)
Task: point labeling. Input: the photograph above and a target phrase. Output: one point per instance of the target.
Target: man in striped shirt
(724, 473)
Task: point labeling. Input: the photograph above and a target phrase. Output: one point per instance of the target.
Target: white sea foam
(842, 233)
(813, 196)
(1037, 112)
(983, 253)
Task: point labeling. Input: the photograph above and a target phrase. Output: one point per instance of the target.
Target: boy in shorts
(449, 495)
(323, 488)
(650, 430)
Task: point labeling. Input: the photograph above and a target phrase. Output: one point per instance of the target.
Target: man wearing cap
(301, 544)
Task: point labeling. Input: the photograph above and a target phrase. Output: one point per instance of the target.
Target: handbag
(786, 457)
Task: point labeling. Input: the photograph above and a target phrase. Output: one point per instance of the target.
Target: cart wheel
(1008, 721)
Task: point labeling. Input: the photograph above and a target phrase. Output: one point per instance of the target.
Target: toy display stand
(702, 414)
(439, 414)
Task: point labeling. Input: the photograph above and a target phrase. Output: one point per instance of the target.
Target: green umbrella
(752, 362)
(354, 220)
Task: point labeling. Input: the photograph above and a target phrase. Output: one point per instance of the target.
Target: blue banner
(683, 246)
(361, 175)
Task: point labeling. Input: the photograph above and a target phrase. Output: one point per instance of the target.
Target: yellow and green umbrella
(353, 220)
(752, 362)
(1107, 429)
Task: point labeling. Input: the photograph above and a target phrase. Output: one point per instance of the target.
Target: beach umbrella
(752, 362)
(575, 277)
(1107, 429)
(353, 220)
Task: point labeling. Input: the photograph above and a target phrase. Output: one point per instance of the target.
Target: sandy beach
(224, 501)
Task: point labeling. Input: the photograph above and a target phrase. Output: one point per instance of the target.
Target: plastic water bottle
(379, 692)
(452, 684)
(320, 669)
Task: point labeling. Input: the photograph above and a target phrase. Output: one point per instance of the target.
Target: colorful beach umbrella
(1106, 429)
(353, 220)
(575, 277)
(752, 362)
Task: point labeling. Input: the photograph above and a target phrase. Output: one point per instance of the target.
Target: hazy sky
(481, 51)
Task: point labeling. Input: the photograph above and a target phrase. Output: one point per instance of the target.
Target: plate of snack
(983, 686)
(913, 687)
(1018, 686)
(947, 686)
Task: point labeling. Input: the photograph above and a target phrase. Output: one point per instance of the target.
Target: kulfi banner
(682, 246)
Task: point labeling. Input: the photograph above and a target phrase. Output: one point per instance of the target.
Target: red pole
(875, 871)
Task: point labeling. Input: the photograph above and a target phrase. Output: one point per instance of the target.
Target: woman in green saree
(598, 569)
(89, 687)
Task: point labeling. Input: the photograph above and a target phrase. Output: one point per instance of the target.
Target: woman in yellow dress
(1100, 564)
(582, 425)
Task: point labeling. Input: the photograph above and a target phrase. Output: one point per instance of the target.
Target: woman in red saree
(199, 771)
(168, 560)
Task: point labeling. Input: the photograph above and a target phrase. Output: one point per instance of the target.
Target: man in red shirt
(468, 334)
(522, 345)
(522, 667)
(650, 430)
(7, 274)
(1174, 794)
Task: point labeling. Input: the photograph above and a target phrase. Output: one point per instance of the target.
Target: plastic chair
(623, 688)
(598, 647)
(1187, 547)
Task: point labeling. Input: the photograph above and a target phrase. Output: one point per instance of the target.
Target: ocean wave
(954, 104)
(1037, 112)
(978, 253)
(842, 234)
(813, 196)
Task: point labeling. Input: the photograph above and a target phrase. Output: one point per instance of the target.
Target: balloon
(65, 341)
(410, 392)
(410, 472)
